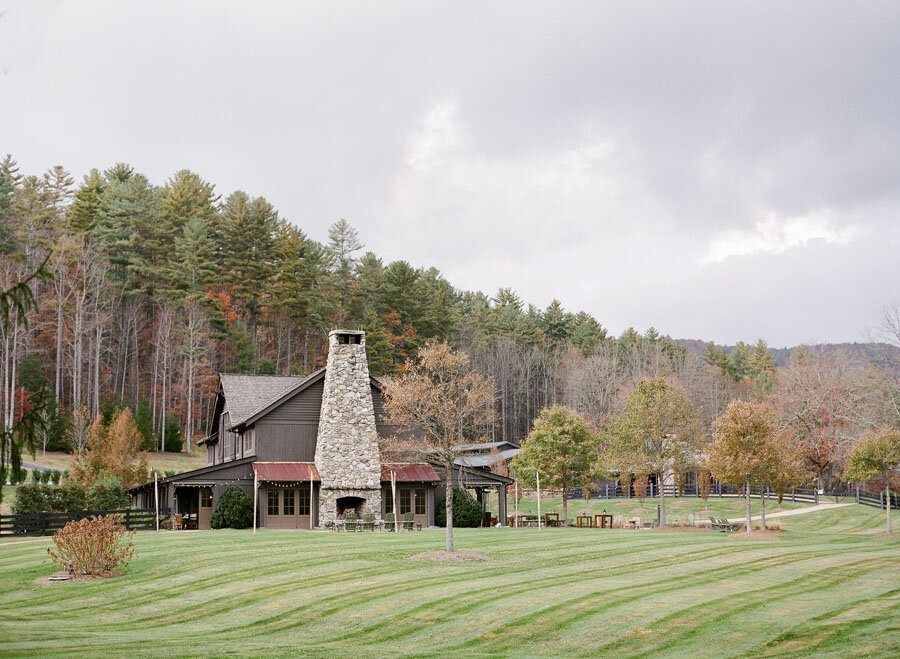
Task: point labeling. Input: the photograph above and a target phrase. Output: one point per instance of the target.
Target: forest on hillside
(151, 290)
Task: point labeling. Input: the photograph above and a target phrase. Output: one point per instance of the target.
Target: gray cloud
(721, 171)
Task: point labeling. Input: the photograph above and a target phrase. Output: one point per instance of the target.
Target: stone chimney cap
(346, 331)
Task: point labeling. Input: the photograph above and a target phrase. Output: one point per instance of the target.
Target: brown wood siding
(281, 442)
(304, 407)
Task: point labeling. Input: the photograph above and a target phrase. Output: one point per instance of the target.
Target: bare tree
(442, 399)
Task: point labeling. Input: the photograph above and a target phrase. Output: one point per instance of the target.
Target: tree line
(150, 290)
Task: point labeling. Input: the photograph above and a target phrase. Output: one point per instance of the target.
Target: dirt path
(795, 511)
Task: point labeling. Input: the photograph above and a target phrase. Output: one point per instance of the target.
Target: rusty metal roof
(286, 472)
(409, 473)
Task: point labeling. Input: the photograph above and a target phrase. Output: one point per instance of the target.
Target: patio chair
(368, 523)
(408, 522)
(390, 522)
(178, 522)
(350, 522)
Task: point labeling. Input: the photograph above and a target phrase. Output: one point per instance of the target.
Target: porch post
(311, 493)
(517, 502)
(501, 504)
(256, 497)
(156, 496)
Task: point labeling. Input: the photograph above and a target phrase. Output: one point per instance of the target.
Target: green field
(826, 585)
(160, 461)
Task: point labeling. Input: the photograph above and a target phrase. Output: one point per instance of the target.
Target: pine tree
(83, 214)
(343, 241)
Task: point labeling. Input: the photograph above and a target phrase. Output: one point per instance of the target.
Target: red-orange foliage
(92, 546)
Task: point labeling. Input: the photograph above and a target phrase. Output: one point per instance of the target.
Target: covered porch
(193, 506)
(483, 482)
(286, 495)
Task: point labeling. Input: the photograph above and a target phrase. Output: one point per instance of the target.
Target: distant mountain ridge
(880, 354)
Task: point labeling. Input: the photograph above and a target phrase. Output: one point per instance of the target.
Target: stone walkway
(794, 511)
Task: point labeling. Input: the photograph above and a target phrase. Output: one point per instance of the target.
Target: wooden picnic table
(584, 521)
(549, 522)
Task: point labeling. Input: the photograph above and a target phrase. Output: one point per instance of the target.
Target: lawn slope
(828, 587)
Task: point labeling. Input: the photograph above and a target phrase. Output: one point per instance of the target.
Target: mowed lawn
(827, 585)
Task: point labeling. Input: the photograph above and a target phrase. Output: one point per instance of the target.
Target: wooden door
(206, 508)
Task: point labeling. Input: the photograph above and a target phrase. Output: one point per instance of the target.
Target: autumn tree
(442, 397)
(562, 447)
(657, 432)
(875, 456)
(742, 451)
(823, 400)
(113, 450)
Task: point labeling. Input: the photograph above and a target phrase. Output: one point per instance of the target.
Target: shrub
(45, 476)
(466, 511)
(69, 498)
(55, 475)
(107, 494)
(35, 477)
(233, 509)
(31, 499)
(92, 546)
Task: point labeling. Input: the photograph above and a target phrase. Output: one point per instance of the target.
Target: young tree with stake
(442, 397)
(876, 456)
(563, 448)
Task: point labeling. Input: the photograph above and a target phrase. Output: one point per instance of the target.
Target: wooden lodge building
(310, 446)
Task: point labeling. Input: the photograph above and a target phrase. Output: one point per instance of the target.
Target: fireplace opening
(348, 504)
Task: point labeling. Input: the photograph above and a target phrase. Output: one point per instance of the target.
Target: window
(405, 501)
(388, 502)
(249, 441)
(273, 501)
(238, 440)
(304, 501)
(420, 501)
(288, 508)
(206, 497)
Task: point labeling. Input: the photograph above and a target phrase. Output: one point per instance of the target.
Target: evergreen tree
(83, 214)
(343, 241)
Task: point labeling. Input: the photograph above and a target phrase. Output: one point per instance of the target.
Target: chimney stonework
(347, 455)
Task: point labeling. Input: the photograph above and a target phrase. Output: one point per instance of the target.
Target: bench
(723, 525)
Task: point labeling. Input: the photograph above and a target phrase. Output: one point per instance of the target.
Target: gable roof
(248, 397)
(245, 395)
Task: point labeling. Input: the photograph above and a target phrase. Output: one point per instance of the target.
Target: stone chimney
(347, 455)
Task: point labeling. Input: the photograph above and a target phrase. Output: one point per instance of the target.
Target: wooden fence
(717, 490)
(47, 523)
(876, 499)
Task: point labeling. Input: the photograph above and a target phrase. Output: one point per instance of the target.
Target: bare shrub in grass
(94, 546)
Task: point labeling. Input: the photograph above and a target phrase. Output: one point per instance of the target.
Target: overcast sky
(718, 170)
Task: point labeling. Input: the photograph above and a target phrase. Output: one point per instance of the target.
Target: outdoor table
(547, 520)
(603, 521)
(583, 521)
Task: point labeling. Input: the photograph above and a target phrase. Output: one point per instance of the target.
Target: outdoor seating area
(721, 524)
(352, 523)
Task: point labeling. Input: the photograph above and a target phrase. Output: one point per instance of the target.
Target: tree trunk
(662, 501)
(887, 497)
(749, 527)
(565, 506)
(448, 502)
(762, 510)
